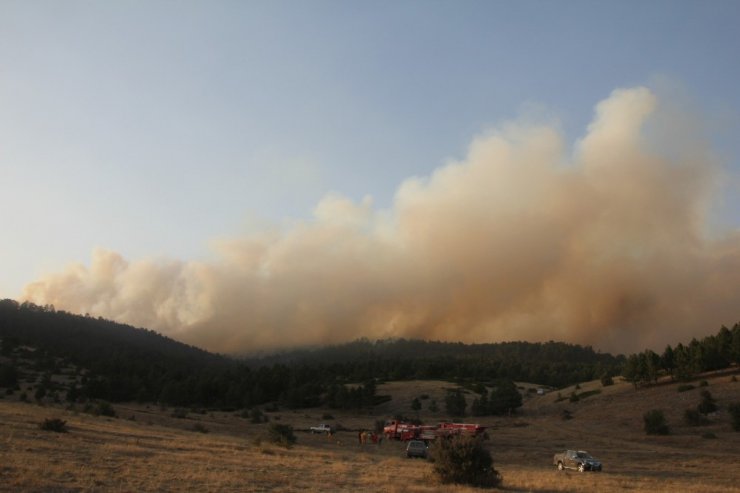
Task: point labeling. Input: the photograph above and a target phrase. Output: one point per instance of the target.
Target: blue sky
(153, 128)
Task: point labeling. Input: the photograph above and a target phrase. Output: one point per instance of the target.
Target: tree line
(683, 362)
(117, 362)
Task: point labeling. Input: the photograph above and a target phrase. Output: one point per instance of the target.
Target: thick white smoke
(524, 239)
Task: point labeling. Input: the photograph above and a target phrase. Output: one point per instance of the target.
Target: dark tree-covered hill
(551, 363)
(126, 363)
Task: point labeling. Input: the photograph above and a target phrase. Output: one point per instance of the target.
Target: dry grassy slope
(157, 452)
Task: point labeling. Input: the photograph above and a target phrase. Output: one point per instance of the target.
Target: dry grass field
(146, 449)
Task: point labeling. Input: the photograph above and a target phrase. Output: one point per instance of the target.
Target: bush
(327, 416)
(588, 393)
(455, 403)
(607, 380)
(282, 435)
(703, 383)
(99, 408)
(55, 424)
(464, 460)
(8, 376)
(433, 406)
(735, 415)
(200, 428)
(684, 387)
(655, 423)
(180, 413)
(707, 404)
(256, 416)
(694, 418)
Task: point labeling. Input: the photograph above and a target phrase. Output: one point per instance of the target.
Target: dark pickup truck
(579, 460)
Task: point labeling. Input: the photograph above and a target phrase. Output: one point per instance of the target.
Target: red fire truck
(400, 430)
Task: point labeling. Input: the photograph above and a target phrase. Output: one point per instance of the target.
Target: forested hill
(89, 339)
(414, 349)
(550, 363)
(122, 363)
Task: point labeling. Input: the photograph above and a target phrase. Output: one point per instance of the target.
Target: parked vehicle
(322, 428)
(579, 460)
(417, 448)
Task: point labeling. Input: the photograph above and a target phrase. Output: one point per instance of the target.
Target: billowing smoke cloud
(525, 239)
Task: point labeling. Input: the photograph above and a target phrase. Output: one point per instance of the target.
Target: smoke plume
(604, 242)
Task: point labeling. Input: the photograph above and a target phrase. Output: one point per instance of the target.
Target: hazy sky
(159, 130)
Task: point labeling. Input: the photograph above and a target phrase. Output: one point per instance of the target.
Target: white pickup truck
(322, 428)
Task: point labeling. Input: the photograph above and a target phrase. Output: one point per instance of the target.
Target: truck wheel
(560, 466)
(581, 468)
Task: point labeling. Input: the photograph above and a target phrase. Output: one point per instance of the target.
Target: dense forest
(554, 364)
(683, 362)
(118, 362)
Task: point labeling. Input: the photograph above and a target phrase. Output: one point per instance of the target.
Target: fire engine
(400, 430)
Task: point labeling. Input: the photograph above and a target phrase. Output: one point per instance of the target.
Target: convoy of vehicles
(576, 459)
(404, 431)
(418, 437)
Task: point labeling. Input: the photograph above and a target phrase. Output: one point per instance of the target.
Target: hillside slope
(149, 449)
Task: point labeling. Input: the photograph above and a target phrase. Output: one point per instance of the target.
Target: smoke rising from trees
(605, 242)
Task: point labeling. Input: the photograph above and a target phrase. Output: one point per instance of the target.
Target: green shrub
(256, 416)
(694, 418)
(200, 428)
(684, 387)
(655, 423)
(416, 404)
(607, 380)
(707, 404)
(180, 413)
(55, 424)
(703, 383)
(282, 435)
(40, 393)
(463, 459)
(735, 415)
(709, 435)
(99, 408)
(455, 403)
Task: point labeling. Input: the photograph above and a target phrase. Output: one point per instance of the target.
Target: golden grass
(159, 453)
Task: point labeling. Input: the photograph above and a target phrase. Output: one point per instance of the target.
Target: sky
(263, 174)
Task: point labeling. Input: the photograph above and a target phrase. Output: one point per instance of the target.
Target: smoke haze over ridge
(606, 243)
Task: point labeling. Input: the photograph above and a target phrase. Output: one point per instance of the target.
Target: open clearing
(146, 449)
